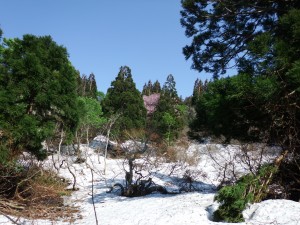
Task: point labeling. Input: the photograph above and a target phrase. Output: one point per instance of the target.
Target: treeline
(45, 99)
(157, 113)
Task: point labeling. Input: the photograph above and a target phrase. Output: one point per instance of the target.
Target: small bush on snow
(248, 189)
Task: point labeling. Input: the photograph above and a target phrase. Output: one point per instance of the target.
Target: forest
(50, 114)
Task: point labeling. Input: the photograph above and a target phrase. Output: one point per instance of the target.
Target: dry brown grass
(36, 194)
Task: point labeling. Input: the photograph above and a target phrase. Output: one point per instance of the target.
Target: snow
(156, 209)
(274, 212)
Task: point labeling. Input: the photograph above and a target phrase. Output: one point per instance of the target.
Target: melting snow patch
(279, 212)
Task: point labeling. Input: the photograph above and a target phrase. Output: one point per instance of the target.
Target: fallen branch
(10, 205)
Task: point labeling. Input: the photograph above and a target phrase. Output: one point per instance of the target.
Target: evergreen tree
(123, 98)
(196, 91)
(156, 87)
(262, 102)
(147, 89)
(82, 85)
(92, 87)
(1, 47)
(230, 30)
(263, 42)
(169, 88)
(199, 89)
(37, 92)
(167, 119)
(87, 86)
(232, 107)
(150, 88)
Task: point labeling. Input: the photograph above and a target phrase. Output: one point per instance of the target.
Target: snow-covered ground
(204, 163)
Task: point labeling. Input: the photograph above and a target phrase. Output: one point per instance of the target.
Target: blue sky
(103, 35)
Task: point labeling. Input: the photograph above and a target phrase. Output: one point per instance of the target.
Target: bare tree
(111, 122)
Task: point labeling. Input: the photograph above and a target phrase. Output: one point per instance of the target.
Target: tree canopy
(123, 98)
(228, 33)
(167, 119)
(262, 102)
(261, 38)
(37, 92)
(87, 86)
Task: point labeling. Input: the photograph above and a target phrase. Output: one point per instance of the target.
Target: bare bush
(231, 162)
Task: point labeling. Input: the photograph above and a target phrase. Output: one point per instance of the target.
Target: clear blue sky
(103, 35)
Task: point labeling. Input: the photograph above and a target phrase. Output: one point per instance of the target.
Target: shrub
(248, 189)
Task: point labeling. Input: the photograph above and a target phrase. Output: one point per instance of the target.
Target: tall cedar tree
(147, 89)
(125, 99)
(168, 108)
(150, 88)
(90, 110)
(199, 89)
(37, 91)
(87, 86)
(156, 88)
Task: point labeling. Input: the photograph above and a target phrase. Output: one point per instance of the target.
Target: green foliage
(199, 89)
(91, 117)
(100, 96)
(266, 46)
(262, 102)
(147, 89)
(91, 114)
(169, 88)
(248, 189)
(4, 154)
(37, 92)
(156, 88)
(123, 98)
(234, 107)
(150, 88)
(169, 116)
(170, 121)
(223, 32)
(87, 86)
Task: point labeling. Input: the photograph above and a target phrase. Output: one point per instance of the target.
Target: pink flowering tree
(151, 102)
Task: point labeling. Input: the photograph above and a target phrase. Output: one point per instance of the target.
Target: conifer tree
(199, 89)
(37, 93)
(169, 88)
(167, 110)
(123, 98)
(87, 86)
(156, 87)
(147, 89)
(92, 87)
(261, 103)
